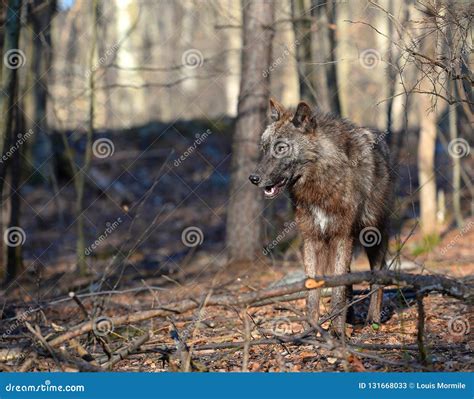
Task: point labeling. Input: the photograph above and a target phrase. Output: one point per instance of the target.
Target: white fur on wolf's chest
(320, 218)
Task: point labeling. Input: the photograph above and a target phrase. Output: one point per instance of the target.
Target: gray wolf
(339, 179)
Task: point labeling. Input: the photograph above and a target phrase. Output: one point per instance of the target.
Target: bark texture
(244, 227)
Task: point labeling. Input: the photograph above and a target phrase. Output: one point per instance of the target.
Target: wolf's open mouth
(275, 189)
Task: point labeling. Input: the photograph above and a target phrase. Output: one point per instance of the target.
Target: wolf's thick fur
(339, 179)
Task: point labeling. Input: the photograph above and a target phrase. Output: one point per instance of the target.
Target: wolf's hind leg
(340, 257)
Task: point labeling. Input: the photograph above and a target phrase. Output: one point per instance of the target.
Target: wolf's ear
(303, 116)
(276, 109)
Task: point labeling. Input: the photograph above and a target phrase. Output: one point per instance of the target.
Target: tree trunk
(302, 28)
(426, 144)
(244, 224)
(41, 64)
(129, 103)
(81, 176)
(452, 53)
(331, 66)
(234, 41)
(14, 253)
(391, 75)
(345, 48)
(453, 131)
(12, 59)
(426, 172)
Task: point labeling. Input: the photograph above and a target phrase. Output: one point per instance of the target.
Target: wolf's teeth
(270, 191)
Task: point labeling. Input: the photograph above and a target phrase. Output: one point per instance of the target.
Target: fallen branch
(123, 353)
(29, 362)
(422, 283)
(239, 345)
(62, 357)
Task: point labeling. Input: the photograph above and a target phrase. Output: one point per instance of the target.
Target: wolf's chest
(320, 219)
(314, 220)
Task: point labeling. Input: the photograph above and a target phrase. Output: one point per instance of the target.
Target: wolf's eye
(281, 148)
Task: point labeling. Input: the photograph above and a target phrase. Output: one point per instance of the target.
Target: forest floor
(214, 336)
(142, 264)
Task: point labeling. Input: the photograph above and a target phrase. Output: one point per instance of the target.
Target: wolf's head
(286, 146)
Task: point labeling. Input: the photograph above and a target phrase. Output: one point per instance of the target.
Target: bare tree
(244, 227)
(331, 66)
(434, 39)
(12, 60)
(453, 52)
(302, 27)
(14, 252)
(427, 141)
(41, 60)
(80, 181)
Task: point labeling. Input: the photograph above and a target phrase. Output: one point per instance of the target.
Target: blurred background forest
(129, 128)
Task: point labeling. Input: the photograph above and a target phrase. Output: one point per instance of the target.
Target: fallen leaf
(304, 355)
(356, 363)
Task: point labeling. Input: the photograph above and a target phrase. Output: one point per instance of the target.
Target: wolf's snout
(255, 179)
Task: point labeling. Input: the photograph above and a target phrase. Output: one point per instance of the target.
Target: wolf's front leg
(314, 258)
(340, 257)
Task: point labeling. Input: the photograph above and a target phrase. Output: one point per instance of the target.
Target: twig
(247, 338)
(28, 362)
(74, 297)
(61, 356)
(123, 353)
(82, 352)
(80, 349)
(421, 331)
(200, 315)
(42, 340)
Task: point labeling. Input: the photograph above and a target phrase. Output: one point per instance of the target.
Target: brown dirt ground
(448, 349)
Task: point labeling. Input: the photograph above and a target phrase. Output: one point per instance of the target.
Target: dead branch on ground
(124, 352)
(423, 284)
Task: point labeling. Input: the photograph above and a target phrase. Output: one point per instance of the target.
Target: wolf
(339, 179)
